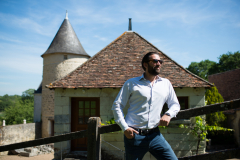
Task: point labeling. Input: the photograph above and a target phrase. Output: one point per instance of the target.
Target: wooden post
(93, 139)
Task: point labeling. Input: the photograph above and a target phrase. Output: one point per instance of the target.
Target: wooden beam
(37, 142)
(228, 105)
(93, 139)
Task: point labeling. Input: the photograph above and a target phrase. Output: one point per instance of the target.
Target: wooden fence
(94, 130)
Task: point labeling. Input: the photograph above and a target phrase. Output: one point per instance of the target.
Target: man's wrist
(167, 114)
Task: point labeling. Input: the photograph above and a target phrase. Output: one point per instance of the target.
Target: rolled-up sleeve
(119, 104)
(172, 101)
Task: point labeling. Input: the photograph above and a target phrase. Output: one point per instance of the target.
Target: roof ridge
(225, 72)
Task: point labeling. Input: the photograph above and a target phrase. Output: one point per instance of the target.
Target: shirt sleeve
(119, 104)
(172, 101)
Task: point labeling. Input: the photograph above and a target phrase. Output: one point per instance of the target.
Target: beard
(154, 70)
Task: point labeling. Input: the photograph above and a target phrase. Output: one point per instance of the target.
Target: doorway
(81, 109)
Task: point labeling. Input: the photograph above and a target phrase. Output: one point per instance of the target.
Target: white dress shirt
(146, 102)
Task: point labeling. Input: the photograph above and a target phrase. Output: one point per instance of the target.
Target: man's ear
(145, 65)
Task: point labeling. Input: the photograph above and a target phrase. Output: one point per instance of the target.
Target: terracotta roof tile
(121, 60)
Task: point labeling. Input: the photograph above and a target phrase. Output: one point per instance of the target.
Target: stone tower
(64, 55)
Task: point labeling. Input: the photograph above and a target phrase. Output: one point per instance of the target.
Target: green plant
(111, 121)
(212, 96)
(200, 129)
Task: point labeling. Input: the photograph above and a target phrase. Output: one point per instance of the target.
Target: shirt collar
(142, 78)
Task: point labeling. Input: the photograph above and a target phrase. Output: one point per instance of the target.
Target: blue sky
(185, 30)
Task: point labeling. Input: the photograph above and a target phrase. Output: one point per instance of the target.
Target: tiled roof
(121, 60)
(227, 83)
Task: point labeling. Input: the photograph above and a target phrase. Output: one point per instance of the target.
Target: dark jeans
(155, 143)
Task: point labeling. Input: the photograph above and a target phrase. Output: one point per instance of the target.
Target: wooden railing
(94, 129)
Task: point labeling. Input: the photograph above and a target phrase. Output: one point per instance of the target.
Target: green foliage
(217, 128)
(201, 69)
(200, 129)
(221, 136)
(212, 96)
(6, 101)
(18, 108)
(228, 61)
(20, 111)
(111, 121)
(28, 95)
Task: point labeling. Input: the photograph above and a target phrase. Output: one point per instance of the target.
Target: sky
(186, 30)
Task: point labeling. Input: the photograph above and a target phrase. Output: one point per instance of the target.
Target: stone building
(228, 85)
(91, 89)
(79, 88)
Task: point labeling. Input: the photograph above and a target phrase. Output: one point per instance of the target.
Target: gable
(121, 60)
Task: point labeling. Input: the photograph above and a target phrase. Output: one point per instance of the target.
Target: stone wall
(54, 68)
(19, 133)
(183, 143)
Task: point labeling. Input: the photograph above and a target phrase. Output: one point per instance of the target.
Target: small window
(51, 127)
(183, 101)
(65, 57)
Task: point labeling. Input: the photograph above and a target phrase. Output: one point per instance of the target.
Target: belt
(144, 132)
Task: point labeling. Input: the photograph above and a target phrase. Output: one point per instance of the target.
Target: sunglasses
(156, 61)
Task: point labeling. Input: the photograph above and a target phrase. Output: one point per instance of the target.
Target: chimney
(130, 25)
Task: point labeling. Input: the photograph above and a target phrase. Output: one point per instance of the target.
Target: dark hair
(146, 58)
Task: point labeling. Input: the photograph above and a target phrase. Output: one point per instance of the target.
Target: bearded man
(146, 95)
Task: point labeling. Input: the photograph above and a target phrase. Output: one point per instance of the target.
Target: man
(146, 95)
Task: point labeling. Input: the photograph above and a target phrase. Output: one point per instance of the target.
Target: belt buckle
(145, 132)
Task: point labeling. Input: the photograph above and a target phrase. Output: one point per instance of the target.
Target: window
(51, 127)
(86, 109)
(183, 101)
(65, 57)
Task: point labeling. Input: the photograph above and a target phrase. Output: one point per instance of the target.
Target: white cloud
(9, 39)
(101, 38)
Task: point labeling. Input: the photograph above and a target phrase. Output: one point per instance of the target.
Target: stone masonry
(54, 68)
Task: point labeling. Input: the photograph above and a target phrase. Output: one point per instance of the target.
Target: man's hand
(164, 121)
(129, 133)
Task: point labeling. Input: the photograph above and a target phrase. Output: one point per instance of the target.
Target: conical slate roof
(66, 41)
(121, 60)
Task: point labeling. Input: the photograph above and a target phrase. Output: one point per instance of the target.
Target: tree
(202, 68)
(22, 108)
(212, 96)
(20, 111)
(28, 95)
(227, 62)
(6, 101)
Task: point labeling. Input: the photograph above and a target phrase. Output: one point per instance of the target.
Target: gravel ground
(49, 156)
